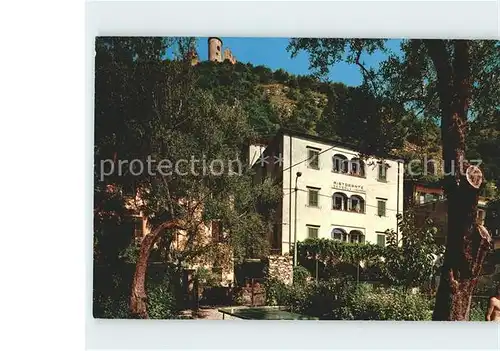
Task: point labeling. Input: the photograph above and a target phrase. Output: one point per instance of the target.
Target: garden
(333, 281)
(351, 281)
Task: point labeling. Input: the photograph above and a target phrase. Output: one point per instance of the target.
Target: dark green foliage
(406, 261)
(167, 110)
(300, 275)
(333, 110)
(206, 277)
(347, 260)
(492, 221)
(484, 145)
(162, 300)
(391, 304)
(342, 300)
(405, 86)
(145, 105)
(410, 260)
(332, 251)
(277, 293)
(478, 309)
(112, 286)
(337, 259)
(297, 296)
(378, 121)
(149, 108)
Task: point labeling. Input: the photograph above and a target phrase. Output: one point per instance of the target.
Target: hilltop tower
(215, 49)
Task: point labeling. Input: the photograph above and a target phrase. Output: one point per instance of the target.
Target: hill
(275, 99)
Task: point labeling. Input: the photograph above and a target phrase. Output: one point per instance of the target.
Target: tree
(410, 259)
(483, 145)
(354, 115)
(453, 80)
(156, 111)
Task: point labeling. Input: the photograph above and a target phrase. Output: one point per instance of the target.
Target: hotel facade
(329, 190)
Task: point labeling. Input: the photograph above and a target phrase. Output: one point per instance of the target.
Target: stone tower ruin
(215, 49)
(215, 53)
(228, 55)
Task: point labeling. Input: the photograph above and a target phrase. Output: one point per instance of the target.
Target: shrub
(111, 307)
(327, 298)
(409, 261)
(161, 302)
(206, 277)
(478, 309)
(298, 297)
(477, 314)
(346, 300)
(390, 305)
(300, 275)
(277, 292)
(112, 288)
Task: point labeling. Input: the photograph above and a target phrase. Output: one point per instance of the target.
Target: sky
(271, 52)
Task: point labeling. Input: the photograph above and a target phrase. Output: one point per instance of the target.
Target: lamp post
(297, 175)
(361, 264)
(357, 273)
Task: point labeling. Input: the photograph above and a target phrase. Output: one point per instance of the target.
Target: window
(339, 201)
(382, 172)
(355, 236)
(381, 239)
(357, 204)
(381, 208)
(354, 168)
(216, 231)
(313, 157)
(218, 48)
(339, 234)
(357, 167)
(340, 164)
(313, 197)
(312, 231)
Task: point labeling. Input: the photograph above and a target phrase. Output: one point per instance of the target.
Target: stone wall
(281, 268)
(228, 55)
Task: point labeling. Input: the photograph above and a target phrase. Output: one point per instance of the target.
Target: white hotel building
(339, 196)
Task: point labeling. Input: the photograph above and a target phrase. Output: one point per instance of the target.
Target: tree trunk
(138, 298)
(467, 246)
(467, 242)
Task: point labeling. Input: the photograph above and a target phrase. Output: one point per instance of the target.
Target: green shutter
(313, 232)
(382, 172)
(381, 208)
(313, 197)
(381, 239)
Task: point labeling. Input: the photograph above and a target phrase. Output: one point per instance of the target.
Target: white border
(473, 19)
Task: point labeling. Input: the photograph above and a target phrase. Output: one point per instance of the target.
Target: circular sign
(474, 176)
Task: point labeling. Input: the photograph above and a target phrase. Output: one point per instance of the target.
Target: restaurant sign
(348, 187)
